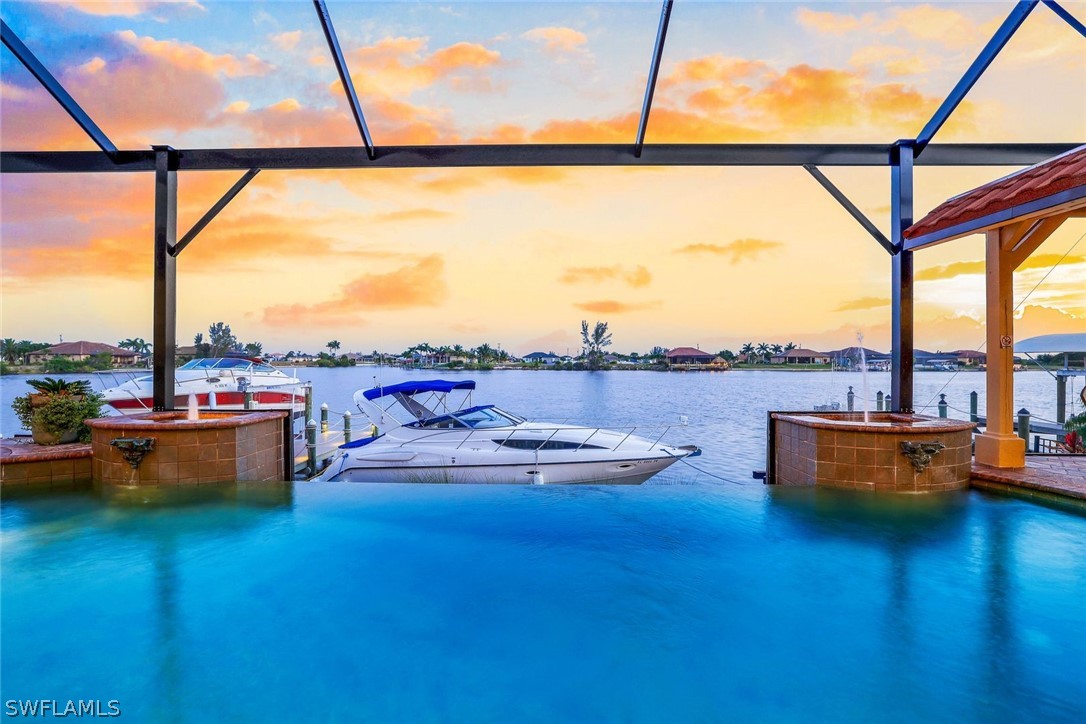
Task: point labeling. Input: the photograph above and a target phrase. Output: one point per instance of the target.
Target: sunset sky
(382, 259)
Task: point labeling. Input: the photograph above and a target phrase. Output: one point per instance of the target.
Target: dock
(1059, 475)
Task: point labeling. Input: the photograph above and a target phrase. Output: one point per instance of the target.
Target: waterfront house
(688, 356)
(547, 358)
(82, 351)
(969, 357)
(801, 356)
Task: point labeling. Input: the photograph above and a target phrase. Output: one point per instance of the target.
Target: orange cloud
(716, 68)
(830, 23)
(33, 120)
(610, 306)
(184, 55)
(419, 285)
(863, 303)
(123, 8)
(735, 251)
(637, 277)
(287, 40)
(1037, 261)
(893, 60)
(397, 67)
(920, 22)
(556, 40)
(412, 215)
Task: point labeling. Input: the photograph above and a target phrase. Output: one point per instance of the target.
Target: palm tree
(484, 352)
(777, 349)
(790, 346)
(333, 346)
(9, 350)
(594, 342)
(763, 350)
(747, 349)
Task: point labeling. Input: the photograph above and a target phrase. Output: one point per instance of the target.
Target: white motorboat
(218, 383)
(423, 438)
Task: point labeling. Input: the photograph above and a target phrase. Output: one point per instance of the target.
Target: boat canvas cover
(418, 386)
(407, 396)
(1052, 344)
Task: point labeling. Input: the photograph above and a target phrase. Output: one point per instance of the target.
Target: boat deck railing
(534, 434)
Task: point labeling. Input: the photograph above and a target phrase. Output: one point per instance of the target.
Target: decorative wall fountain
(891, 452)
(168, 448)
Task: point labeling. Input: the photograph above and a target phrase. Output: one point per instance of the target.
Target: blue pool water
(686, 602)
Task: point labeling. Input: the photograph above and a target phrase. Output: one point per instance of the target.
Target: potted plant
(56, 411)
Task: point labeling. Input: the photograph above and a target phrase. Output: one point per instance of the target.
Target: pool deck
(24, 463)
(1063, 475)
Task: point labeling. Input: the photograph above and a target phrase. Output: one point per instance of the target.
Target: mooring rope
(1016, 308)
(684, 461)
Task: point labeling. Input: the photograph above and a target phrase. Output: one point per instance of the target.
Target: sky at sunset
(382, 259)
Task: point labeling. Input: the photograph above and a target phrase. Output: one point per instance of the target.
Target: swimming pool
(652, 603)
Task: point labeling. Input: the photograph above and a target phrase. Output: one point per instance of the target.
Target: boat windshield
(226, 363)
(476, 418)
(485, 417)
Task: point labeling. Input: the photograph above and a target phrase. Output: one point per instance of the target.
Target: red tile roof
(688, 352)
(801, 352)
(1048, 178)
(88, 348)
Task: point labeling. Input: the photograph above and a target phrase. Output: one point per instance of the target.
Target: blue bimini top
(415, 387)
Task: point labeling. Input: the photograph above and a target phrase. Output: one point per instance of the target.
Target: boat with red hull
(218, 383)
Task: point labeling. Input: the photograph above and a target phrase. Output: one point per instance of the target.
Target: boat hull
(223, 400)
(418, 469)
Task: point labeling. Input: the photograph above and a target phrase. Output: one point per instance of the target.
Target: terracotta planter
(44, 437)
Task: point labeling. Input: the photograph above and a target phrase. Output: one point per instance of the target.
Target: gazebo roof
(1030, 192)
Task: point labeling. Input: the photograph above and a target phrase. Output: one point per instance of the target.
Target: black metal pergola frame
(901, 157)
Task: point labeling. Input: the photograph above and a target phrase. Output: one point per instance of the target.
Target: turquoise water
(456, 603)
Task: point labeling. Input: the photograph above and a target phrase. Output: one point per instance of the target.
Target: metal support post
(165, 271)
(901, 216)
(851, 397)
(973, 416)
(1061, 397)
(942, 405)
(311, 446)
(1023, 424)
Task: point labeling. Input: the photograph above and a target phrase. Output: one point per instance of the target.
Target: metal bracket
(214, 211)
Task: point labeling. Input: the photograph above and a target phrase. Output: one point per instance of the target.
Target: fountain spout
(133, 448)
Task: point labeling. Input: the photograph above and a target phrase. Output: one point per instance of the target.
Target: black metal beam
(214, 211)
(851, 209)
(344, 75)
(654, 71)
(165, 276)
(901, 292)
(51, 84)
(1071, 19)
(675, 154)
(1014, 20)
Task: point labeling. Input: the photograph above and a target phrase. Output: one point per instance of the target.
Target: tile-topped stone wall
(842, 451)
(219, 447)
